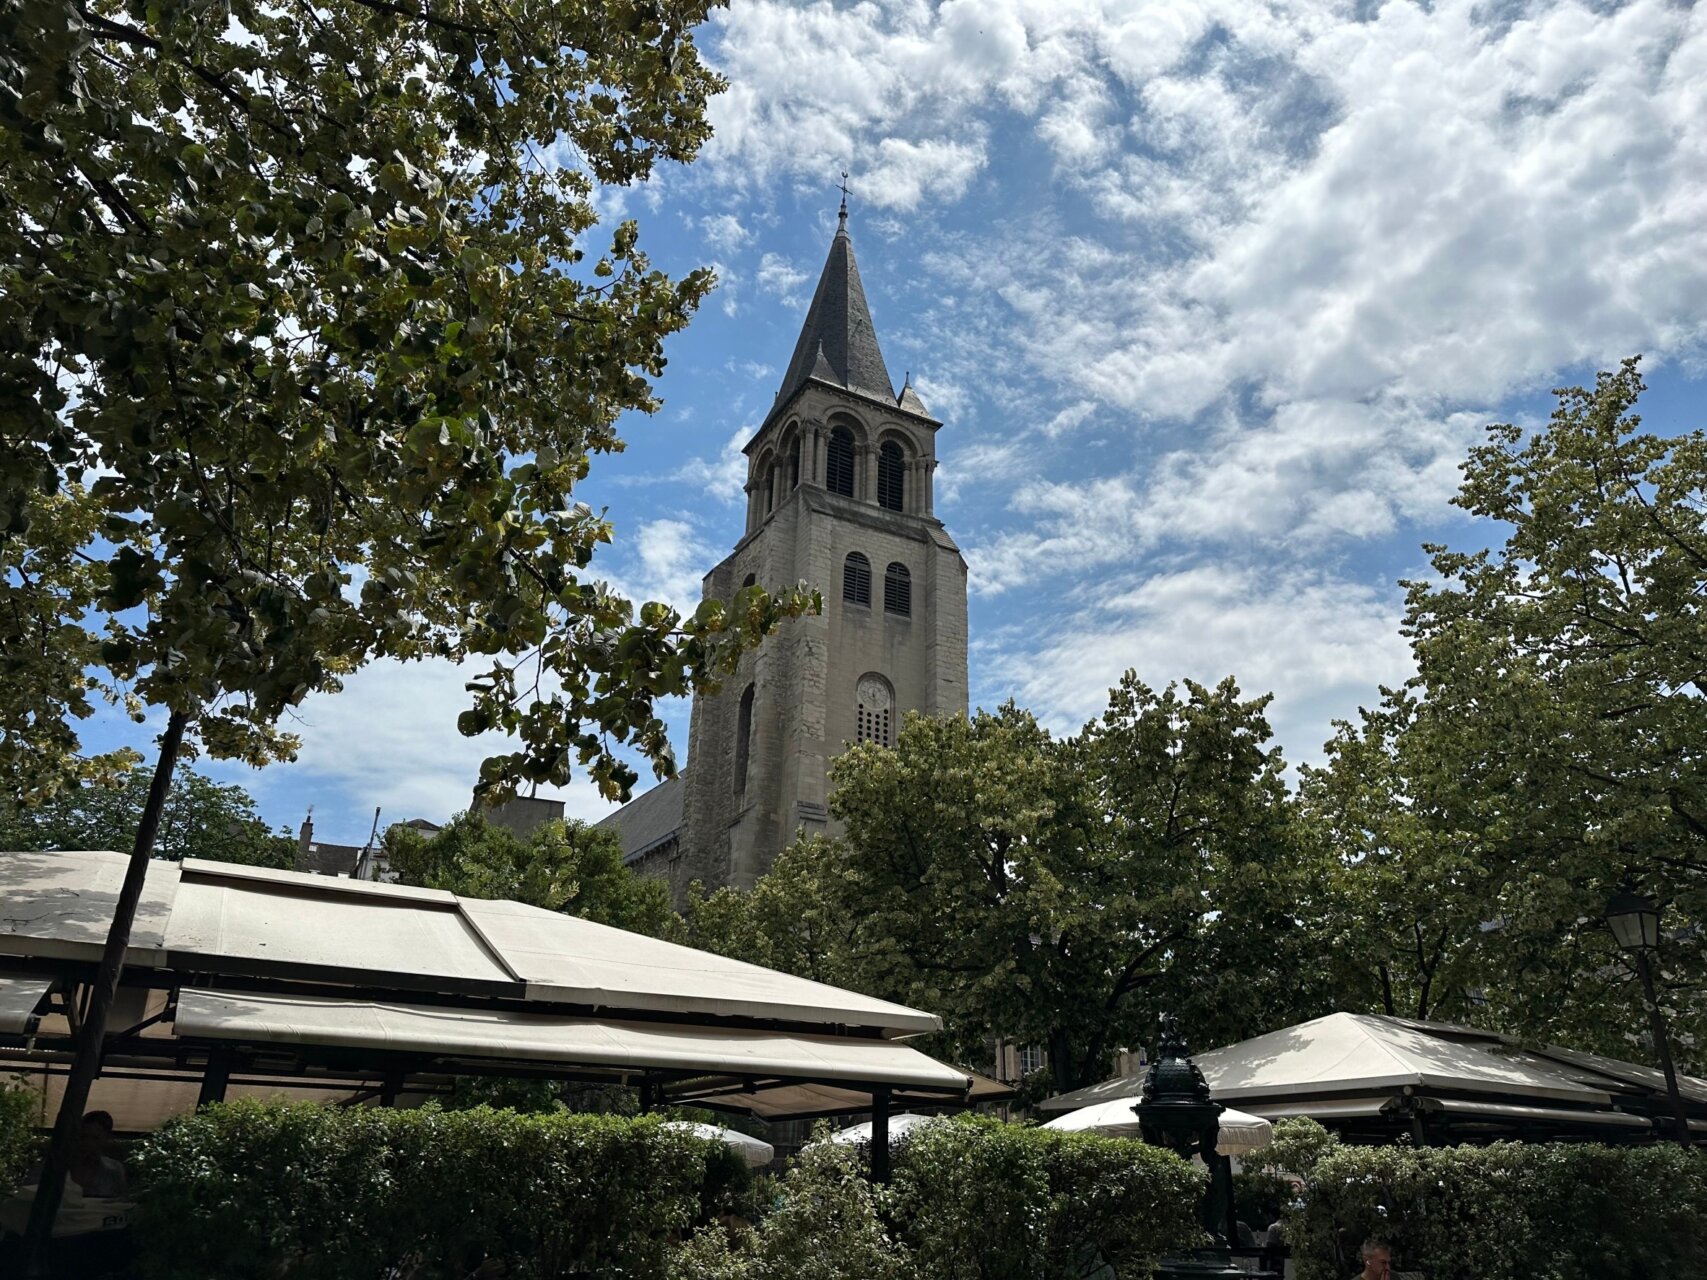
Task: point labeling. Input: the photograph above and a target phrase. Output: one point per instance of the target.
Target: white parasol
(753, 1150)
(1240, 1133)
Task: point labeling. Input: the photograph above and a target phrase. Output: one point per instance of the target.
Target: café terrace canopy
(1375, 1077)
(248, 978)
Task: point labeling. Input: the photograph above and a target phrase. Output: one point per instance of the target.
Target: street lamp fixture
(1635, 924)
(1177, 1112)
(1634, 921)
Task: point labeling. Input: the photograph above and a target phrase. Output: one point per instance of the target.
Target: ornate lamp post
(1635, 924)
(1175, 1111)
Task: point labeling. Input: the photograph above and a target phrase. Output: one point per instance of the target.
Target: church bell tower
(839, 481)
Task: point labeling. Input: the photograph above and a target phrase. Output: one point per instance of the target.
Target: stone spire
(838, 344)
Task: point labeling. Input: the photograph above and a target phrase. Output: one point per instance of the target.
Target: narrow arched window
(856, 579)
(770, 488)
(839, 462)
(891, 476)
(794, 464)
(874, 710)
(743, 739)
(898, 590)
(750, 580)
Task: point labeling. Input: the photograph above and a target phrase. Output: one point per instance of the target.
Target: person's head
(97, 1130)
(1377, 1260)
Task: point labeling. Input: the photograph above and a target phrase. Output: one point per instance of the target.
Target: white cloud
(1073, 416)
(934, 169)
(728, 287)
(1320, 645)
(944, 398)
(1330, 238)
(778, 276)
(723, 477)
(724, 232)
(983, 465)
(665, 560)
(389, 739)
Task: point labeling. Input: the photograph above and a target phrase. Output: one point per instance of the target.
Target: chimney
(305, 839)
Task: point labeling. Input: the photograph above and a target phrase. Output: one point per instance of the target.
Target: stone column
(865, 486)
(922, 500)
(752, 488)
(813, 440)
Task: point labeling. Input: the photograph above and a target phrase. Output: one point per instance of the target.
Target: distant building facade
(840, 496)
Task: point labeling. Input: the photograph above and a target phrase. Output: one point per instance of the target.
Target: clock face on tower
(873, 693)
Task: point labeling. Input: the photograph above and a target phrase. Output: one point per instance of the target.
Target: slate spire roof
(838, 344)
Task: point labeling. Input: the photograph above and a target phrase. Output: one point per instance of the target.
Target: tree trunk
(87, 1063)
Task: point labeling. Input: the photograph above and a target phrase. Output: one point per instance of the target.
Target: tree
(568, 866)
(788, 921)
(302, 353)
(1063, 893)
(201, 818)
(1550, 749)
(1416, 869)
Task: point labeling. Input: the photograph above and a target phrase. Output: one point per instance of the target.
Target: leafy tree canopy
(201, 819)
(566, 866)
(1550, 750)
(1055, 892)
(305, 341)
(788, 921)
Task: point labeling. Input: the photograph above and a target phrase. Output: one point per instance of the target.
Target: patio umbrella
(899, 1126)
(1240, 1133)
(754, 1151)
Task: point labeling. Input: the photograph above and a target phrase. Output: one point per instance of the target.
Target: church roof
(649, 819)
(909, 401)
(838, 344)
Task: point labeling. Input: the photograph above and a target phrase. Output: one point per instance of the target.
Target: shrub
(246, 1190)
(976, 1199)
(1508, 1212)
(20, 1145)
(1265, 1190)
(972, 1199)
(825, 1225)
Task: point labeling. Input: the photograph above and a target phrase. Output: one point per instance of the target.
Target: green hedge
(20, 1145)
(1508, 1211)
(319, 1193)
(983, 1200)
(971, 1199)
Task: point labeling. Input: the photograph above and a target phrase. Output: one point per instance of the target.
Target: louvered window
(891, 473)
(898, 590)
(856, 579)
(794, 465)
(839, 464)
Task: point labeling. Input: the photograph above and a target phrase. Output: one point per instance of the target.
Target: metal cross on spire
(842, 217)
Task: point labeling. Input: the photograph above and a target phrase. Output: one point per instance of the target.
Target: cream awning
(18, 1000)
(222, 920)
(787, 1100)
(503, 1035)
(1505, 1113)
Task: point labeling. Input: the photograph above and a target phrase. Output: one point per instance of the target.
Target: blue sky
(1212, 296)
